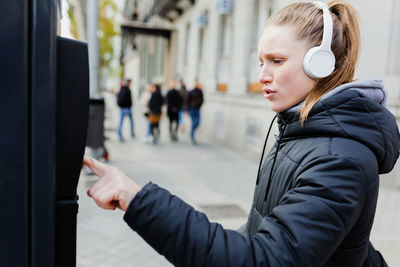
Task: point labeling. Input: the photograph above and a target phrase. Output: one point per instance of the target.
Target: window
(186, 56)
(160, 57)
(393, 64)
(225, 35)
(262, 11)
(201, 22)
(255, 24)
(201, 44)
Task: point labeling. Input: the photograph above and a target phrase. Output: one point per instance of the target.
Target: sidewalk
(210, 177)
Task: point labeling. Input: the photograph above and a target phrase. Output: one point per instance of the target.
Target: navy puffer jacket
(313, 205)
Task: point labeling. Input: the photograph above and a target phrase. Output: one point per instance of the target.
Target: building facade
(216, 42)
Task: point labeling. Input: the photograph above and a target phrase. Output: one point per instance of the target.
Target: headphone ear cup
(318, 62)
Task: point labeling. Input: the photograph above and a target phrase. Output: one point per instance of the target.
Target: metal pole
(93, 46)
(95, 138)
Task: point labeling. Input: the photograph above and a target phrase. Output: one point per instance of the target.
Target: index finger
(96, 166)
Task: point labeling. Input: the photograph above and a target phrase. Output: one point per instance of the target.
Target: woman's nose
(265, 75)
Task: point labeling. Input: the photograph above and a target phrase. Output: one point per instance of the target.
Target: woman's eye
(277, 61)
(261, 64)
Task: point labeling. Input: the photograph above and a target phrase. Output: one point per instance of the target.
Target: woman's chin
(276, 108)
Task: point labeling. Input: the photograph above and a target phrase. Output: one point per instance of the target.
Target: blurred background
(213, 42)
(216, 42)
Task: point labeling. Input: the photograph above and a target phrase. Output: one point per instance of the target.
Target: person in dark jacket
(124, 101)
(174, 104)
(155, 103)
(195, 101)
(316, 192)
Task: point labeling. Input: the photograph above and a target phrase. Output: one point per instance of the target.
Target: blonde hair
(307, 18)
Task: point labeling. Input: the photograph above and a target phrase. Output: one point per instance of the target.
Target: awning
(137, 27)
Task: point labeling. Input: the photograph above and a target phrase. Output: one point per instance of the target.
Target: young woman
(316, 192)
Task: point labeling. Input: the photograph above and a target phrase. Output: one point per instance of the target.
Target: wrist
(140, 193)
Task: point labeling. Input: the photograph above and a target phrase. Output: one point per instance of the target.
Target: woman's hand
(114, 189)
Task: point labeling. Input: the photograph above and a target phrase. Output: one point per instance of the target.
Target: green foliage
(73, 28)
(106, 33)
(107, 30)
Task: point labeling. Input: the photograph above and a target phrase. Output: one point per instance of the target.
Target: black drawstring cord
(273, 163)
(263, 151)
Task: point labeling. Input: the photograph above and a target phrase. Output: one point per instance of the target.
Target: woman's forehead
(278, 34)
(280, 38)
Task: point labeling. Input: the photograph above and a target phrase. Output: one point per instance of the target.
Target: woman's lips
(268, 93)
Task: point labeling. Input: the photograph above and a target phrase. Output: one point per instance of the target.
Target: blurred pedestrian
(183, 92)
(144, 100)
(174, 104)
(316, 192)
(194, 102)
(155, 103)
(124, 101)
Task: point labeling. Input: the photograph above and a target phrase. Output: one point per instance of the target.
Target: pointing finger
(99, 168)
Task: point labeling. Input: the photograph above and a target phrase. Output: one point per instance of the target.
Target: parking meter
(72, 124)
(44, 104)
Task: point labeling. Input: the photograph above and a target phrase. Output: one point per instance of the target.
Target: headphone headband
(328, 25)
(319, 61)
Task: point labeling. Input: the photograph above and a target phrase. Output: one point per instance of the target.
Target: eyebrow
(272, 54)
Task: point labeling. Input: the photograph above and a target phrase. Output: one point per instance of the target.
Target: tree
(108, 29)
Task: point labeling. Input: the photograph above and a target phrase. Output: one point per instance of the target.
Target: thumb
(99, 168)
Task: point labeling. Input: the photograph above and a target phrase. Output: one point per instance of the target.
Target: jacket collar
(353, 115)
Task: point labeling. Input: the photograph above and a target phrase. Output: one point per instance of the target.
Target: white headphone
(319, 61)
